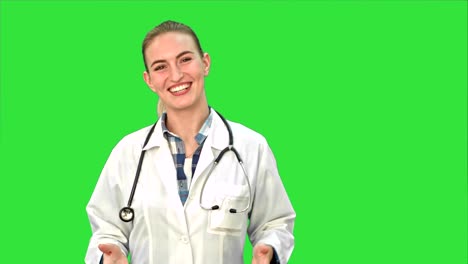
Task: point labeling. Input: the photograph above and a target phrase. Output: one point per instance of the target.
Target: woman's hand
(112, 254)
(262, 254)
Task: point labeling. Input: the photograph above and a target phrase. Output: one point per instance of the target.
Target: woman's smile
(180, 89)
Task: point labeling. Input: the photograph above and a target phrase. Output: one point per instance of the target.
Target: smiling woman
(176, 69)
(168, 28)
(193, 200)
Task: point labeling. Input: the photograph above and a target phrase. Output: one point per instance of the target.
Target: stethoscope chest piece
(126, 214)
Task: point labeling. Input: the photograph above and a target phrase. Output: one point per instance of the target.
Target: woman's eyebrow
(178, 56)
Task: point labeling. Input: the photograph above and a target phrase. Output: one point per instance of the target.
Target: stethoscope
(127, 213)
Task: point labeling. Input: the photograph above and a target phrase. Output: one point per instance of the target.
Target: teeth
(179, 88)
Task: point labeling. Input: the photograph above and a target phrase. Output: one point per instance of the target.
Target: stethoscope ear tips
(126, 214)
(215, 207)
(232, 211)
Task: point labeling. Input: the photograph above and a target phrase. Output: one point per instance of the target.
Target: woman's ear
(207, 63)
(148, 82)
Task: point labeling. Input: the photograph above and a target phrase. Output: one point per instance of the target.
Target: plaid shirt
(178, 152)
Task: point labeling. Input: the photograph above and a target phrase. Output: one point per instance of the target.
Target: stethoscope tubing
(127, 214)
(216, 207)
(140, 163)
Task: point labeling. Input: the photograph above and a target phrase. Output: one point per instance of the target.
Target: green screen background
(363, 103)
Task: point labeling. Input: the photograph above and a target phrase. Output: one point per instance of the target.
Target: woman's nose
(176, 74)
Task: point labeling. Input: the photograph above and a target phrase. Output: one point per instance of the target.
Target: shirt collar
(201, 135)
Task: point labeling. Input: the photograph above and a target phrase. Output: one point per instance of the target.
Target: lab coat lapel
(217, 140)
(166, 169)
(164, 163)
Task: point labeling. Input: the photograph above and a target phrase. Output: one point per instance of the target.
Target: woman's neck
(186, 123)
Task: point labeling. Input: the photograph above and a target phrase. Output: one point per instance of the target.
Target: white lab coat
(165, 231)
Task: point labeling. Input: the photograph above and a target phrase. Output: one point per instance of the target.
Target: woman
(185, 208)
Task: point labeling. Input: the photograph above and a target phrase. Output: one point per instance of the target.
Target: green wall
(364, 104)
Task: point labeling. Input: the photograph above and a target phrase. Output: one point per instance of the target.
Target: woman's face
(176, 71)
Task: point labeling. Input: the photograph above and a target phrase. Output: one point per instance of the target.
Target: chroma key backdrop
(364, 104)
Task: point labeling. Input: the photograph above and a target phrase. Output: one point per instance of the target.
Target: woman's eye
(186, 59)
(159, 67)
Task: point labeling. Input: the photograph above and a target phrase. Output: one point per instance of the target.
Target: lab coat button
(184, 239)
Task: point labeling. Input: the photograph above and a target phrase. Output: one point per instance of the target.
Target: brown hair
(165, 27)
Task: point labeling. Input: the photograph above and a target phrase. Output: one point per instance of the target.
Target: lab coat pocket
(222, 221)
